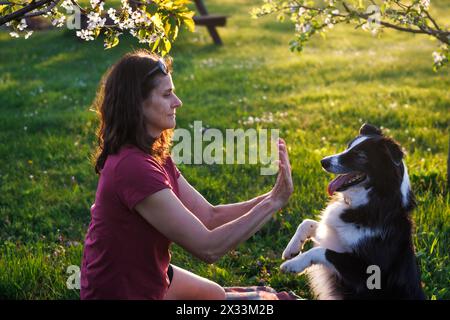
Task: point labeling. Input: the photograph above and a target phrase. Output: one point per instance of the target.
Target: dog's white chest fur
(335, 234)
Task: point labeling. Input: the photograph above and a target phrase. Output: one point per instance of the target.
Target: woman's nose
(178, 103)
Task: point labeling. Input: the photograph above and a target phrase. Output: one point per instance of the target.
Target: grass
(318, 101)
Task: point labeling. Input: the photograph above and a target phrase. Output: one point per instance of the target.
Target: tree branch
(432, 20)
(12, 3)
(41, 12)
(21, 12)
(75, 3)
(439, 34)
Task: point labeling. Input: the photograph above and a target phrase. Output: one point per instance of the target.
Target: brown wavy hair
(118, 103)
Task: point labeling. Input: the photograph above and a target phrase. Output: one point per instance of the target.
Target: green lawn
(318, 100)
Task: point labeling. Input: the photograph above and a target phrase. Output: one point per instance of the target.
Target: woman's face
(160, 106)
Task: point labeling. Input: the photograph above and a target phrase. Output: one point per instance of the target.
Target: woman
(143, 203)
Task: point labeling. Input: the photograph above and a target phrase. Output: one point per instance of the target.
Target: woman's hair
(119, 105)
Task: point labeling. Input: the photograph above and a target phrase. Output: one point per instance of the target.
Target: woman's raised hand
(283, 186)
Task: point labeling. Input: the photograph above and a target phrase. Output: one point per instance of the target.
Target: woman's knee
(214, 291)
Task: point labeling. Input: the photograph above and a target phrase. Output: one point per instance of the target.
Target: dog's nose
(325, 162)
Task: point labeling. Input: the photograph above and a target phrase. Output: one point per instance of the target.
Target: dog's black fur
(380, 158)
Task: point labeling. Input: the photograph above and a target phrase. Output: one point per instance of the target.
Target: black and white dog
(365, 228)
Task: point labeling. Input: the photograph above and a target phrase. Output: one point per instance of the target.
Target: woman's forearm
(227, 236)
(225, 213)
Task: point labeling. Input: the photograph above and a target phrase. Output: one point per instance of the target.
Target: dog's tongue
(337, 182)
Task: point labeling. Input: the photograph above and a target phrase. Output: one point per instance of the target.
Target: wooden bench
(210, 21)
(204, 19)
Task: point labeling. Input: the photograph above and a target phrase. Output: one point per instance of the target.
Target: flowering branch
(21, 12)
(154, 22)
(313, 16)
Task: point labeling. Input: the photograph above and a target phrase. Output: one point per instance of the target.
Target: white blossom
(59, 22)
(126, 6)
(438, 58)
(86, 34)
(113, 16)
(22, 25)
(28, 34)
(301, 11)
(425, 4)
(329, 22)
(95, 20)
(68, 5)
(95, 3)
(153, 38)
(303, 28)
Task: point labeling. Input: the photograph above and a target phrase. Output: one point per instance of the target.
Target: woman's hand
(283, 186)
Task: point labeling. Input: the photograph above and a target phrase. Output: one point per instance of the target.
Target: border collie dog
(364, 247)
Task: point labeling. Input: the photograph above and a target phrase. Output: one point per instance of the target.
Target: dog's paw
(291, 251)
(304, 232)
(296, 265)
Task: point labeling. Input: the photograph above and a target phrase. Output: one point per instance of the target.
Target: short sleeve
(138, 176)
(177, 172)
(175, 169)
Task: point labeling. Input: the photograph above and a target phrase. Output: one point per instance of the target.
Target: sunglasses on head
(160, 66)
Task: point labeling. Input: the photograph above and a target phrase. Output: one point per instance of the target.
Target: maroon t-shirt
(124, 256)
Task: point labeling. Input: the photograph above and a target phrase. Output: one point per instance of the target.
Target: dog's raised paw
(287, 254)
(288, 267)
(296, 265)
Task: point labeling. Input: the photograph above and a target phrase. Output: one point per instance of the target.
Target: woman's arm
(169, 216)
(213, 216)
(224, 213)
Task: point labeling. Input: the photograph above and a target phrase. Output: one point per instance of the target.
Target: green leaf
(189, 23)
(167, 27)
(152, 8)
(142, 33)
(157, 21)
(154, 45)
(111, 42)
(167, 46)
(175, 33)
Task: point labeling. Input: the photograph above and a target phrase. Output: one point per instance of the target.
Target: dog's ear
(394, 151)
(368, 129)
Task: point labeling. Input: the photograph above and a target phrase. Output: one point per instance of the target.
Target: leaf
(189, 23)
(157, 21)
(172, 31)
(152, 8)
(167, 46)
(142, 33)
(111, 42)
(155, 44)
(167, 27)
(175, 33)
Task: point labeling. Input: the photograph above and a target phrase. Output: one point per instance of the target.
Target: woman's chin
(173, 123)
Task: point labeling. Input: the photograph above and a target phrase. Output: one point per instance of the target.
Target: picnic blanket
(258, 293)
